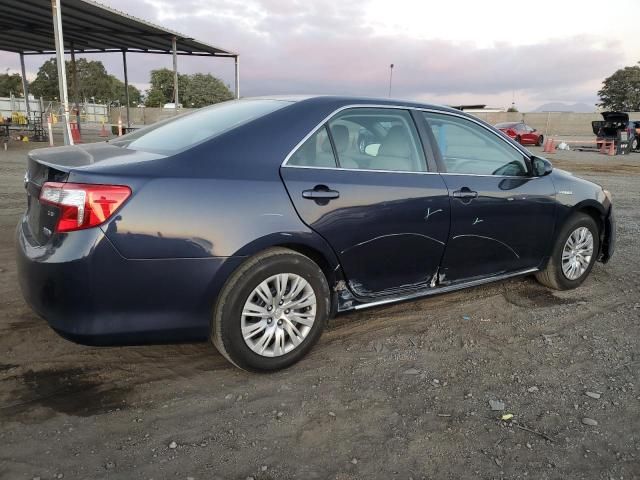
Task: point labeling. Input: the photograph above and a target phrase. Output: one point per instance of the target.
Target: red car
(521, 133)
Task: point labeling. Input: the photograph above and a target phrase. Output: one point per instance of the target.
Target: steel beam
(25, 87)
(62, 72)
(126, 85)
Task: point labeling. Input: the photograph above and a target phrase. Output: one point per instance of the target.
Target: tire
(241, 288)
(540, 140)
(519, 139)
(634, 144)
(554, 276)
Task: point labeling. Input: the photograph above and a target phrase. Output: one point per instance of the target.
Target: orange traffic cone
(75, 133)
(552, 146)
(545, 148)
(120, 125)
(103, 131)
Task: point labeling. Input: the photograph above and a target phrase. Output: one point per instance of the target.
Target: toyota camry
(252, 222)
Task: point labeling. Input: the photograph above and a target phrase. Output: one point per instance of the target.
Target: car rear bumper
(609, 241)
(90, 294)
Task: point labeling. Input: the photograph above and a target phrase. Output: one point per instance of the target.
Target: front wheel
(634, 144)
(574, 254)
(271, 311)
(540, 140)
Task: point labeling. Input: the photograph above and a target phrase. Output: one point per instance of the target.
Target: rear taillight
(83, 205)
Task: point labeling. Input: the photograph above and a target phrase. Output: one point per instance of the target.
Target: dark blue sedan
(252, 222)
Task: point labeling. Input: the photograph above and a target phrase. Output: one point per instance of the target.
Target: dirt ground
(400, 392)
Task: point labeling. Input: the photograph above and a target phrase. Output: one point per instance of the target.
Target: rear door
(362, 182)
(502, 218)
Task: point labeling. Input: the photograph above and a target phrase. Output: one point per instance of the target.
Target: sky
(449, 52)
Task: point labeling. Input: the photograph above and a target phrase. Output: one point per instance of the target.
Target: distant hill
(566, 107)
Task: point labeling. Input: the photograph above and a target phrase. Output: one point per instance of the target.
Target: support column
(25, 87)
(62, 73)
(175, 73)
(126, 86)
(237, 76)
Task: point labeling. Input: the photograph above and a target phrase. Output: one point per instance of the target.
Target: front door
(362, 182)
(502, 218)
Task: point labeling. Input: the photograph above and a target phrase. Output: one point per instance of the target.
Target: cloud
(293, 46)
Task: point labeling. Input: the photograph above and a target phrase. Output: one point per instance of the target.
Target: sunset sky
(452, 52)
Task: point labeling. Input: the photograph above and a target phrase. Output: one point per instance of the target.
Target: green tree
(161, 90)
(621, 91)
(10, 84)
(93, 82)
(194, 91)
(205, 89)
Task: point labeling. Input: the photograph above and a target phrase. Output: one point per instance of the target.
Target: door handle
(465, 192)
(320, 192)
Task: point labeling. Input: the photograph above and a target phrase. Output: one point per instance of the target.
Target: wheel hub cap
(577, 253)
(278, 315)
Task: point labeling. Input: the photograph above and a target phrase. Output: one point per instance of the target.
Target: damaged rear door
(362, 182)
(502, 217)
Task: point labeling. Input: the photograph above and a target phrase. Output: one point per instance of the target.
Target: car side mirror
(541, 166)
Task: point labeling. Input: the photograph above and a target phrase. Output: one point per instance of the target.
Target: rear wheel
(634, 144)
(271, 311)
(519, 139)
(574, 254)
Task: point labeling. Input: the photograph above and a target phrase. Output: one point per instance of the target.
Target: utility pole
(390, 78)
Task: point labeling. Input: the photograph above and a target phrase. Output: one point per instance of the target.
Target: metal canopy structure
(58, 27)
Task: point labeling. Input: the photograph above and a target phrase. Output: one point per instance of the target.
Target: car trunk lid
(55, 165)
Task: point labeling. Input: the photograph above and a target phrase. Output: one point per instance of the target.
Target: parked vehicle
(252, 222)
(521, 133)
(635, 142)
(616, 127)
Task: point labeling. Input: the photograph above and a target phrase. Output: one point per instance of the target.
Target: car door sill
(445, 289)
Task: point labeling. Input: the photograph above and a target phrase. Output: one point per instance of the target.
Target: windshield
(176, 134)
(505, 125)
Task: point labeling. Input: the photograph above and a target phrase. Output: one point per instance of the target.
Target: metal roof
(26, 26)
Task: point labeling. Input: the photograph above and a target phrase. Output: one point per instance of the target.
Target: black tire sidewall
(577, 221)
(540, 140)
(230, 328)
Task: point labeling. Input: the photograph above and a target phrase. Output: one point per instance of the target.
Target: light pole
(390, 78)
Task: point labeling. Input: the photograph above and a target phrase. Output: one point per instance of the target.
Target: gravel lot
(397, 392)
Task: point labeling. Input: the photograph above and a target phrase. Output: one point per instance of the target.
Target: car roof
(355, 100)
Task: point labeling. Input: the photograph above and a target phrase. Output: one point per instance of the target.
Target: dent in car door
(502, 218)
(388, 228)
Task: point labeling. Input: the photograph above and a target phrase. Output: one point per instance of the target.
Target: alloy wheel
(278, 315)
(577, 253)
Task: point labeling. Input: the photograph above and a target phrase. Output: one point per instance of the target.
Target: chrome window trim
(398, 107)
(360, 169)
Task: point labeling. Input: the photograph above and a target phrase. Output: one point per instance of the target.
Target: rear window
(187, 130)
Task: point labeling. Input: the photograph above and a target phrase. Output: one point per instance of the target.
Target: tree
(93, 82)
(161, 90)
(621, 91)
(205, 89)
(512, 109)
(10, 84)
(197, 90)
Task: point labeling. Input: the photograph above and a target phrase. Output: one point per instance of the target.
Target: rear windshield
(186, 130)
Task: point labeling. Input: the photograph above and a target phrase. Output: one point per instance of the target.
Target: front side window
(377, 139)
(468, 148)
